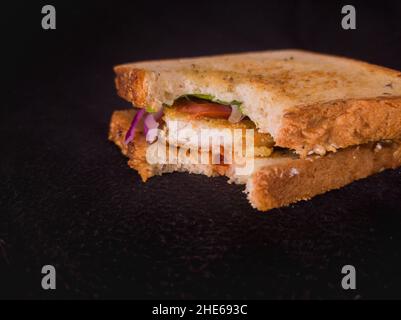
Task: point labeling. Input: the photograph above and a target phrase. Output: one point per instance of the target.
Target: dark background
(67, 197)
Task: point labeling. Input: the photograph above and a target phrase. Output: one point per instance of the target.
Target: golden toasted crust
(339, 124)
(136, 151)
(293, 95)
(131, 85)
(119, 123)
(282, 184)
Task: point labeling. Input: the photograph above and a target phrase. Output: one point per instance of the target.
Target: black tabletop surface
(68, 198)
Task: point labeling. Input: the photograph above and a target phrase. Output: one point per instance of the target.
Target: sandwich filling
(188, 119)
(202, 130)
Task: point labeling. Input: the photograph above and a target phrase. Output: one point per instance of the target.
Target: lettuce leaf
(212, 98)
(208, 97)
(150, 109)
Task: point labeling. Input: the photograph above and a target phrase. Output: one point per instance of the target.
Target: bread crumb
(320, 150)
(378, 147)
(294, 172)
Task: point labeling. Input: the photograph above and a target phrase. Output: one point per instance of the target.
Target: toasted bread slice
(283, 183)
(308, 102)
(278, 180)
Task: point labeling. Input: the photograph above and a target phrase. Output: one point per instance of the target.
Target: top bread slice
(308, 102)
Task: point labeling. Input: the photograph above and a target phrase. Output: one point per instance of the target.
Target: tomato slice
(204, 109)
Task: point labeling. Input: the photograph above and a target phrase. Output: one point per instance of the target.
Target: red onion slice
(131, 131)
(236, 114)
(158, 114)
(149, 124)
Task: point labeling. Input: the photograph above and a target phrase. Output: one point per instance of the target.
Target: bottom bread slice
(284, 183)
(275, 181)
